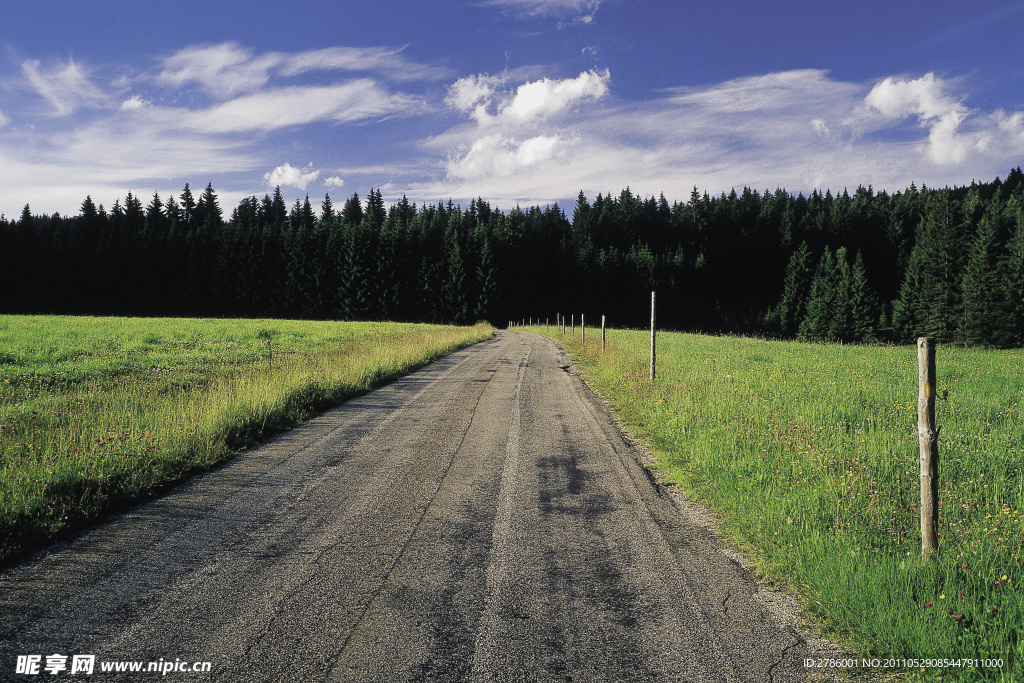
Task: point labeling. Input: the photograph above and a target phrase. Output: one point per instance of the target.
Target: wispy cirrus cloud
(287, 107)
(141, 131)
(228, 69)
(66, 86)
(577, 11)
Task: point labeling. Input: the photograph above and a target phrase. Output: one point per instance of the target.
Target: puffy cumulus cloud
(495, 155)
(926, 98)
(798, 130)
(334, 181)
(474, 94)
(133, 103)
(532, 101)
(516, 130)
(541, 99)
(288, 175)
(65, 86)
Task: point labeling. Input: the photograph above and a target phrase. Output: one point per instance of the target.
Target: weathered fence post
(572, 325)
(928, 436)
(583, 330)
(653, 357)
(603, 340)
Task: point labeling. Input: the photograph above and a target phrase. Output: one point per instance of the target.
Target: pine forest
(861, 267)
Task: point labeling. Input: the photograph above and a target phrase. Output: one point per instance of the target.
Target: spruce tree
(840, 327)
(821, 301)
(864, 306)
(797, 284)
(1011, 270)
(981, 290)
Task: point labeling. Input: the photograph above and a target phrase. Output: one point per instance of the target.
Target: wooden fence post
(572, 323)
(653, 357)
(603, 340)
(583, 330)
(928, 436)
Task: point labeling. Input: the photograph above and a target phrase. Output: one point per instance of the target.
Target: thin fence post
(653, 356)
(583, 330)
(572, 323)
(603, 341)
(928, 436)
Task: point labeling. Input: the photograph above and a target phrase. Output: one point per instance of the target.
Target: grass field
(99, 413)
(809, 455)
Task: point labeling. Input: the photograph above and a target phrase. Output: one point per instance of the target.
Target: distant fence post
(583, 330)
(928, 436)
(603, 341)
(572, 323)
(653, 356)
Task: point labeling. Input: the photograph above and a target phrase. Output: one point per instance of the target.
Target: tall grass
(98, 413)
(809, 454)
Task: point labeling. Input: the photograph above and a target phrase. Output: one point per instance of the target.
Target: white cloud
(926, 98)
(474, 94)
(532, 101)
(223, 70)
(288, 175)
(294, 106)
(496, 155)
(799, 130)
(377, 59)
(541, 99)
(133, 103)
(3, 120)
(582, 10)
(334, 181)
(226, 70)
(66, 87)
(523, 132)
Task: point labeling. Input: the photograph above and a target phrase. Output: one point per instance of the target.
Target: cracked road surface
(481, 519)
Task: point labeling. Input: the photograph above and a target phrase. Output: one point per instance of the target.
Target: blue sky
(515, 101)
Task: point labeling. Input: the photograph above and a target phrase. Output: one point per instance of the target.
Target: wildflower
(963, 566)
(928, 604)
(942, 597)
(959, 617)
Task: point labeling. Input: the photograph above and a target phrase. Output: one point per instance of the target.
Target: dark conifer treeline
(854, 267)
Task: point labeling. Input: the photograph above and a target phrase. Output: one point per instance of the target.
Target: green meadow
(808, 455)
(100, 413)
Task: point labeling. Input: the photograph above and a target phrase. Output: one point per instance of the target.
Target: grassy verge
(99, 413)
(809, 454)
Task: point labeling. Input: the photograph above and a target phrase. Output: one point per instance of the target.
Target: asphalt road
(481, 519)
